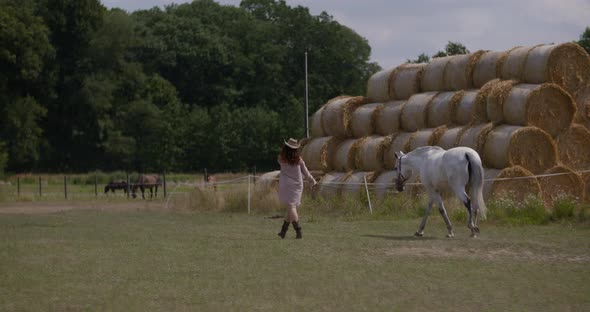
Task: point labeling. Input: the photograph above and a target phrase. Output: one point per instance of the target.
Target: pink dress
(291, 182)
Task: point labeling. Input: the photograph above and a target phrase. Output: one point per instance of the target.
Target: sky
(399, 30)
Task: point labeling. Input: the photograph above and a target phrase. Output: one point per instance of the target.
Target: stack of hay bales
(523, 110)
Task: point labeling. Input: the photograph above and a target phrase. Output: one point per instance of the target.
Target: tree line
(190, 86)
(186, 87)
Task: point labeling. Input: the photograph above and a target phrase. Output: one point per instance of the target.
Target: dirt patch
(486, 254)
(61, 206)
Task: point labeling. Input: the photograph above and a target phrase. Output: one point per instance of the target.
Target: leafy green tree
(3, 157)
(25, 51)
(20, 120)
(585, 40)
(452, 48)
(72, 24)
(422, 58)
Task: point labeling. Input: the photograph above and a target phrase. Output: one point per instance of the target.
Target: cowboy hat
(292, 143)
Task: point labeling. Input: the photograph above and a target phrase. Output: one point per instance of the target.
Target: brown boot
(284, 229)
(297, 228)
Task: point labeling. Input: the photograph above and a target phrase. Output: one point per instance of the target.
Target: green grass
(161, 261)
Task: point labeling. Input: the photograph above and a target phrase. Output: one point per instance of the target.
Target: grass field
(134, 256)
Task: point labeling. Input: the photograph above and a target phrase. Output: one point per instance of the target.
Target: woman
(291, 184)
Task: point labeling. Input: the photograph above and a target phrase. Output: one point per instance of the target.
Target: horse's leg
(460, 192)
(420, 231)
(443, 213)
(142, 192)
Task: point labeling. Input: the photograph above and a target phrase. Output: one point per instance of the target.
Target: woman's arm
(306, 172)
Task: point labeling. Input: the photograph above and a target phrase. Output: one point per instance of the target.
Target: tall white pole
(306, 102)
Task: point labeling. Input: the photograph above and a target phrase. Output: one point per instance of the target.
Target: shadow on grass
(400, 238)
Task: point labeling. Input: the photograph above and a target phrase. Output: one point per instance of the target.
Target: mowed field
(136, 256)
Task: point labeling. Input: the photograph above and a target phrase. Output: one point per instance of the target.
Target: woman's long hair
(289, 155)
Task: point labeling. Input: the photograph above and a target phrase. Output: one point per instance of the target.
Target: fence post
(368, 197)
(66, 187)
(249, 194)
(164, 175)
(127, 184)
(95, 184)
(254, 179)
(17, 186)
(40, 192)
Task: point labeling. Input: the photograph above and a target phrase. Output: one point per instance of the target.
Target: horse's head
(403, 172)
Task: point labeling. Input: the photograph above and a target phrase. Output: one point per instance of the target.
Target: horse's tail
(476, 175)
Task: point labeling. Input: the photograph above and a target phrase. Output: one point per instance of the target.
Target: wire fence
(64, 187)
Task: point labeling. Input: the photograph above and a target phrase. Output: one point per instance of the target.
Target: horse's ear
(396, 155)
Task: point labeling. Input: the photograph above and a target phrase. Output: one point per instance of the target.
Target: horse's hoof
(418, 234)
(473, 235)
(476, 230)
(451, 235)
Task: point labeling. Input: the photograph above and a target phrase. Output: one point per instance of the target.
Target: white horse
(441, 169)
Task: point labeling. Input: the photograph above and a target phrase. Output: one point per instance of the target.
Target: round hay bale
(488, 67)
(472, 106)
(582, 100)
(499, 90)
(458, 73)
(514, 183)
(433, 78)
(566, 64)
(475, 136)
(441, 109)
(479, 109)
(414, 112)
(450, 138)
(369, 156)
(529, 147)
(464, 111)
(317, 130)
(426, 137)
(318, 152)
(573, 147)
(354, 183)
(387, 119)
(268, 182)
(396, 143)
(513, 65)
(561, 181)
(364, 119)
(336, 116)
(345, 155)
(546, 106)
(329, 185)
(378, 86)
(406, 80)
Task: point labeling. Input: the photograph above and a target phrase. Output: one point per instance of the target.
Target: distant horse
(441, 169)
(146, 181)
(116, 185)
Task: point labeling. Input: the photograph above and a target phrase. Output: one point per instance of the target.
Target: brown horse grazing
(116, 185)
(146, 181)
